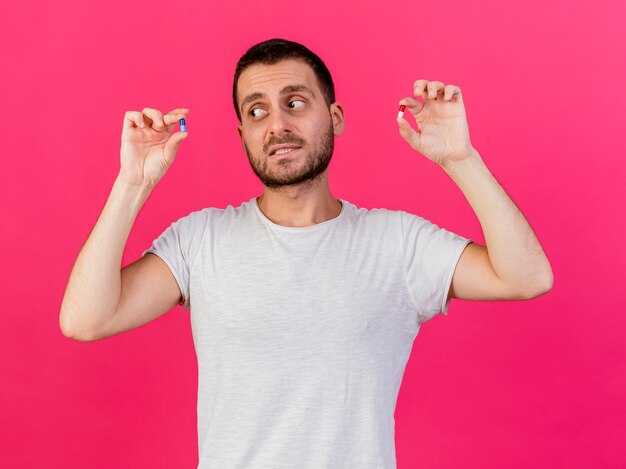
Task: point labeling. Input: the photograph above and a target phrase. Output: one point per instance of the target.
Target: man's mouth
(283, 150)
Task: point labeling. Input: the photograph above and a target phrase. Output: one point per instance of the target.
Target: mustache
(293, 139)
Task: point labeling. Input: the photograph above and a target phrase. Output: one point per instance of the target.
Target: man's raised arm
(101, 299)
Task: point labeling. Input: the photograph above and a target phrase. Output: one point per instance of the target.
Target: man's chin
(290, 182)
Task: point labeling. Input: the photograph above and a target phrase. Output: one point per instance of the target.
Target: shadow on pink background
(531, 384)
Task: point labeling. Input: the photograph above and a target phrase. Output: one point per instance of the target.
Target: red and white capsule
(401, 111)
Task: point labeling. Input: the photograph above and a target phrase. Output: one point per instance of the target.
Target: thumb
(172, 144)
(408, 133)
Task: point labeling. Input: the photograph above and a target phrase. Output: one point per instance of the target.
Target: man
(304, 307)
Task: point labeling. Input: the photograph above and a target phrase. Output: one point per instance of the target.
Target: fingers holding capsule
(152, 118)
(412, 104)
(177, 115)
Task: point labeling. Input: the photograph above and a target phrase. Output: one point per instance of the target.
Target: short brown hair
(274, 50)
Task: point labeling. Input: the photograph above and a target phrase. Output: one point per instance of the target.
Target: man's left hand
(443, 134)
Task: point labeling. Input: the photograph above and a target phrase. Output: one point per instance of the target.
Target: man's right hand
(149, 145)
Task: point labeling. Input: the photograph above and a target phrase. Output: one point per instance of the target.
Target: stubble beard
(316, 162)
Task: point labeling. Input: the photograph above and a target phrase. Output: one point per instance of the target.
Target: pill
(183, 127)
(401, 111)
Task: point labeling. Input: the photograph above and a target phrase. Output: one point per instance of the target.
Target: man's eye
(296, 101)
(252, 111)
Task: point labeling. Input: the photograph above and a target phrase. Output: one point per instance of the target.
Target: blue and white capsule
(183, 126)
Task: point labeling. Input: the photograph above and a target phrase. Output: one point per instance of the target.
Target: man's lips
(291, 148)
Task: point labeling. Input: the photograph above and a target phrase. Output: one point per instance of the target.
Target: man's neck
(299, 206)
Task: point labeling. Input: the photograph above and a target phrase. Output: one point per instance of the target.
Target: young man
(304, 307)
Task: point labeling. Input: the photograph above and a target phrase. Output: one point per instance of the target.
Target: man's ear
(339, 121)
(240, 133)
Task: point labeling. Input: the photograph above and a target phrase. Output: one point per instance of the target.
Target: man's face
(282, 105)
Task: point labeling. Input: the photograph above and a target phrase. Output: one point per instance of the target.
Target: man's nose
(280, 121)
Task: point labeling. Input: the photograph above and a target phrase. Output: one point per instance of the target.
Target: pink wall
(535, 384)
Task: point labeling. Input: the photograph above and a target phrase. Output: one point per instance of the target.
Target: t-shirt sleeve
(430, 257)
(179, 246)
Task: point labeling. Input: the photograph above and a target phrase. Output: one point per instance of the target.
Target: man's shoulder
(375, 212)
(375, 218)
(208, 214)
(394, 219)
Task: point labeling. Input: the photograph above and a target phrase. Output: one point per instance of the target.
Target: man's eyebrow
(287, 89)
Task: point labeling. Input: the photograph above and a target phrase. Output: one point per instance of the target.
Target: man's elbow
(549, 281)
(74, 336)
(543, 287)
(72, 332)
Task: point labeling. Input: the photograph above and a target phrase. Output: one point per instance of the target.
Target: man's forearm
(514, 251)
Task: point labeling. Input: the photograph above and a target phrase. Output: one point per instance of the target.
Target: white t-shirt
(302, 334)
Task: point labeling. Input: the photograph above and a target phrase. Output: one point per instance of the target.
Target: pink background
(533, 384)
